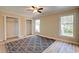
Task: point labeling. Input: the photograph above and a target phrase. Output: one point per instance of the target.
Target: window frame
(60, 26)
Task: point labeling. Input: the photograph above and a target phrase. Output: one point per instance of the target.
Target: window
(67, 25)
(37, 25)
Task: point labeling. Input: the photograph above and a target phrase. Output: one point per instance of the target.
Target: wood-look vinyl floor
(62, 47)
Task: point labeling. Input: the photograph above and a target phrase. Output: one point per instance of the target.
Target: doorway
(12, 29)
(29, 27)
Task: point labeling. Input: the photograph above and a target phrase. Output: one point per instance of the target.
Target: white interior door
(29, 27)
(11, 27)
(1, 28)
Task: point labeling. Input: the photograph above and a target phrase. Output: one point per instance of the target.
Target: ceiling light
(35, 11)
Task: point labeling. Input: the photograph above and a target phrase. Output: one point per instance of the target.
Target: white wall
(50, 24)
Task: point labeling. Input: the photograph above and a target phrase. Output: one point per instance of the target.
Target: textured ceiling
(46, 9)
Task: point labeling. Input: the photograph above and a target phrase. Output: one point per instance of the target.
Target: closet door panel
(29, 27)
(1, 28)
(11, 27)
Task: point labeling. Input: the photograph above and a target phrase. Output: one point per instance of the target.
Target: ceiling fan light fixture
(35, 11)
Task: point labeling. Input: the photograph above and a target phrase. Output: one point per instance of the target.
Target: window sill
(66, 36)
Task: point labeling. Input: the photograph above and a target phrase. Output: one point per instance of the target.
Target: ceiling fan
(36, 9)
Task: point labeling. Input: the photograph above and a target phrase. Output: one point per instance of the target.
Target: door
(11, 27)
(29, 27)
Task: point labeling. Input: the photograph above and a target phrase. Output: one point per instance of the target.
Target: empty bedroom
(39, 29)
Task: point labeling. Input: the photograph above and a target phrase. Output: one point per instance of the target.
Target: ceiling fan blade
(40, 9)
(33, 7)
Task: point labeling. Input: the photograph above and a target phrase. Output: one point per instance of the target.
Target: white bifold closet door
(29, 27)
(1, 29)
(11, 27)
